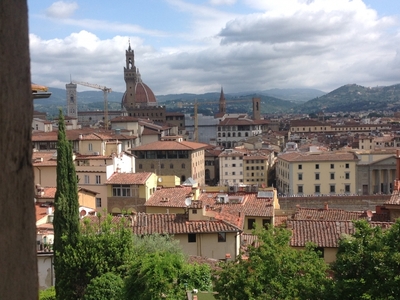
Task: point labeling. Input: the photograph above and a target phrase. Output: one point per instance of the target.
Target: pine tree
(66, 205)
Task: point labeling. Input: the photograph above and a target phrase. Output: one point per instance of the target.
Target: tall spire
(222, 102)
(129, 42)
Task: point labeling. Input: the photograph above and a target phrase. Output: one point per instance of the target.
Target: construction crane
(105, 90)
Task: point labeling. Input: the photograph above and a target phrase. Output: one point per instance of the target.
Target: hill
(355, 98)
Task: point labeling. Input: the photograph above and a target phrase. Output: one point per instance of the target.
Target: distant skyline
(198, 46)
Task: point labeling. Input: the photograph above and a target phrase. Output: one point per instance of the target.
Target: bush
(48, 294)
(106, 287)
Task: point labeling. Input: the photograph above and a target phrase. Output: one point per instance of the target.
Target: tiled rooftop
(171, 145)
(129, 178)
(324, 156)
(172, 224)
(327, 214)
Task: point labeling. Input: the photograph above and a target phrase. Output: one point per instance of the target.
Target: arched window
(183, 166)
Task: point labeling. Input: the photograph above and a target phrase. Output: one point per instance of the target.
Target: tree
(103, 247)
(273, 270)
(160, 270)
(18, 259)
(66, 214)
(368, 263)
(105, 287)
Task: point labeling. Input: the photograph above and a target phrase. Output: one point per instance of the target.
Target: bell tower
(72, 105)
(222, 103)
(130, 77)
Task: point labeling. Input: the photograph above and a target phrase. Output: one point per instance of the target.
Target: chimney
(326, 206)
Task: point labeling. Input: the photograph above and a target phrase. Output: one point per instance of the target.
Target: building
(231, 166)
(316, 173)
(181, 158)
(139, 100)
(127, 192)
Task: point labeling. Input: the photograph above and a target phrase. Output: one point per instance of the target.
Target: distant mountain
(354, 98)
(348, 98)
(293, 94)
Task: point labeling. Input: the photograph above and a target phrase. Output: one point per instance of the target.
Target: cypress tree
(66, 205)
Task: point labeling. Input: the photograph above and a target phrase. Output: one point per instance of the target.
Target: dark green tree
(66, 213)
(104, 246)
(273, 270)
(108, 286)
(368, 263)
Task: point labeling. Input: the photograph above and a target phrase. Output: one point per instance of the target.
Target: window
(317, 166)
(194, 211)
(233, 165)
(90, 147)
(226, 165)
(300, 167)
(221, 237)
(251, 223)
(233, 173)
(171, 166)
(121, 190)
(317, 189)
(191, 238)
(152, 166)
(332, 176)
(162, 166)
(332, 166)
(300, 189)
(98, 179)
(332, 188)
(347, 188)
(316, 176)
(347, 175)
(98, 202)
(347, 166)
(266, 222)
(183, 166)
(87, 181)
(300, 176)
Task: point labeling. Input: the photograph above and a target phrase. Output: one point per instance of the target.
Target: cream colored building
(231, 166)
(180, 158)
(310, 173)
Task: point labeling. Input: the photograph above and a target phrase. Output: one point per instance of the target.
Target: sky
(199, 46)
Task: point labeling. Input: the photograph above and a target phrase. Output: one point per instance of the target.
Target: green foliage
(106, 287)
(155, 276)
(102, 247)
(156, 243)
(196, 276)
(66, 214)
(368, 263)
(48, 294)
(273, 270)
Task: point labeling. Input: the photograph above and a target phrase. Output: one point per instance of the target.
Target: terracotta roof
(322, 233)
(394, 199)
(324, 156)
(172, 224)
(280, 220)
(40, 210)
(169, 197)
(170, 145)
(236, 121)
(129, 178)
(124, 119)
(329, 214)
(84, 133)
(42, 159)
(296, 123)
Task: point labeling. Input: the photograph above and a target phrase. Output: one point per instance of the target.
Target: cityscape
(227, 173)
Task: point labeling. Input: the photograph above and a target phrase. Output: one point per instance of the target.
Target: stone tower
(256, 109)
(130, 77)
(72, 105)
(222, 103)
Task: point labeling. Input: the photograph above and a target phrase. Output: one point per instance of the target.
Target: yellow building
(181, 158)
(128, 192)
(312, 173)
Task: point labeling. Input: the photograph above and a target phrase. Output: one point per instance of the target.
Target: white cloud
(222, 2)
(61, 9)
(320, 44)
